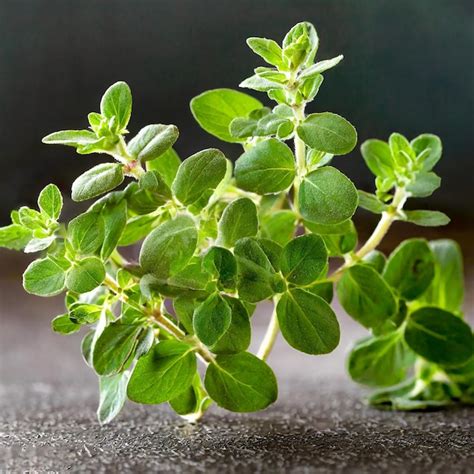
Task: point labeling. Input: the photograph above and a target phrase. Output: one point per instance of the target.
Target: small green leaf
(50, 201)
(439, 336)
(221, 263)
(85, 275)
(169, 247)
(212, 319)
(268, 167)
(424, 184)
(86, 232)
(83, 313)
(14, 236)
(268, 49)
(117, 102)
(98, 180)
(410, 268)
(74, 138)
(320, 67)
(365, 296)
(371, 203)
(137, 228)
(430, 147)
(376, 259)
(113, 393)
(426, 218)
(307, 322)
(62, 324)
(44, 277)
(163, 374)
(279, 226)
(238, 220)
(214, 110)
(152, 141)
(114, 347)
(199, 173)
(378, 158)
(241, 382)
(115, 220)
(237, 337)
(167, 165)
(447, 287)
(327, 196)
(303, 259)
(328, 132)
(380, 361)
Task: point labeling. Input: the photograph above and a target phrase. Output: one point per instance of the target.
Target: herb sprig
(218, 239)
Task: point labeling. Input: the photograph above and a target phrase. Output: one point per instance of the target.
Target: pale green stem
(300, 154)
(270, 335)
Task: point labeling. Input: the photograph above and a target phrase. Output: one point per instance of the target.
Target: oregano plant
(216, 239)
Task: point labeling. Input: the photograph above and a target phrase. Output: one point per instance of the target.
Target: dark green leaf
(215, 109)
(268, 167)
(169, 247)
(238, 220)
(221, 263)
(115, 220)
(328, 132)
(201, 172)
(98, 180)
(83, 313)
(164, 373)
(304, 259)
(307, 322)
(439, 336)
(327, 196)
(366, 296)
(376, 259)
(410, 268)
(241, 382)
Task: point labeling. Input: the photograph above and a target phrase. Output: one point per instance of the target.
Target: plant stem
(300, 154)
(271, 334)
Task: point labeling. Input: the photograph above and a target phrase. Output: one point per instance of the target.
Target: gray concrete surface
(320, 424)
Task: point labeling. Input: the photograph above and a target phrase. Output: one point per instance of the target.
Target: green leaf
(327, 196)
(424, 184)
(214, 110)
(44, 277)
(426, 218)
(62, 324)
(320, 67)
(378, 158)
(307, 322)
(137, 228)
(167, 165)
(86, 232)
(98, 180)
(237, 336)
(212, 319)
(328, 132)
(268, 49)
(301, 44)
(375, 259)
(191, 403)
(115, 220)
(447, 287)
(323, 289)
(279, 226)
(14, 236)
(410, 268)
(50, 201)
(74, 138)
(83, 313)
(303, 259)
(268, 167)
(221, 264)
(85, 275)
(401, 150)
(257, 278)
(113, 393)
(439, 336)
(238, 220)
(152, 141)
(114, 347)
(199, 173)
(380, 361)
(371, 203)
(431, 148)
(36, 245)
(259, 83)
(241, 382)
(163, 374)
(365, 296)
(117, 102)
(169, 247)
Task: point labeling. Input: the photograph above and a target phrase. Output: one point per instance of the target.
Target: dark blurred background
(408, 67)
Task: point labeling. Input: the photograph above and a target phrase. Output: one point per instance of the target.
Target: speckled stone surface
(320, 424)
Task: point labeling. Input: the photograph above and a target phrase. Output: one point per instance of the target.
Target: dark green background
(408, 67)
